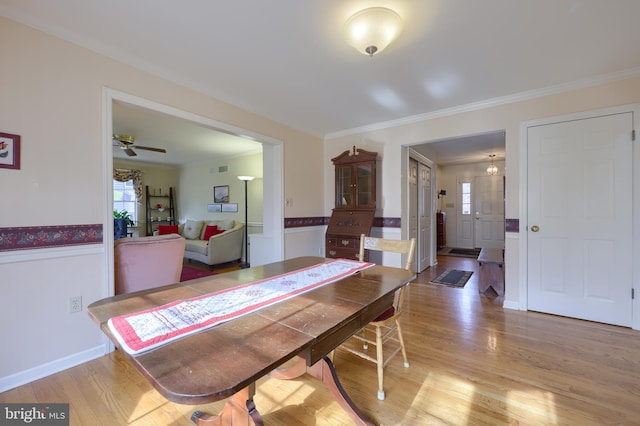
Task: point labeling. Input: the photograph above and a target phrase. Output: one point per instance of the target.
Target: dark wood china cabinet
(355, 202)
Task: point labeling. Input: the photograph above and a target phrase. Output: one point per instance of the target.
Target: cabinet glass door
(343, 186)
(364, 185)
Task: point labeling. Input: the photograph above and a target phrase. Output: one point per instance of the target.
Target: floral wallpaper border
(298, 222)
(512, 225)
(35, 237)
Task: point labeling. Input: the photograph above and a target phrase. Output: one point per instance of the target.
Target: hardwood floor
(472, 363)
(219, 269)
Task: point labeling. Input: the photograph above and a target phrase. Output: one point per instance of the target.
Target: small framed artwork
(230, 207)
(213, 208)
(9, 151)
(221, 194)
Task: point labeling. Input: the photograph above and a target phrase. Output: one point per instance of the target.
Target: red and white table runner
(141, 331)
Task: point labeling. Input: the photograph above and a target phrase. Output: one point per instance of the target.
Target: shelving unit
(164, 215)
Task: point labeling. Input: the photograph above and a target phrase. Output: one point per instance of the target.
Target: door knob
(535, 228)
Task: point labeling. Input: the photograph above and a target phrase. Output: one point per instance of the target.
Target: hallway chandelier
(492, 170)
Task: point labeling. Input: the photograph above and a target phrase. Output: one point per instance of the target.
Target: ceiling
(185, 142)
(287, 60)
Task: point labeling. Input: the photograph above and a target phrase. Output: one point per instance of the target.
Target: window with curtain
(124, 198)
(127, 191)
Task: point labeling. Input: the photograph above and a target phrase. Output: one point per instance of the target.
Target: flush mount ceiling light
(492, 169)
(372, 29)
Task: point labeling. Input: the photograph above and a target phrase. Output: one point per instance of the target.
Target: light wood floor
(472, 363)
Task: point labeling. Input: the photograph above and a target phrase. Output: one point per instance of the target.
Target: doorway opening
(273, 187)
(453, 160)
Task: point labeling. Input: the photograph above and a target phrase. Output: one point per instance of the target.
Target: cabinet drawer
(341, 253)
(343, 242)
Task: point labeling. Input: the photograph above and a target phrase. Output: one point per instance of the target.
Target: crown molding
(503, 100)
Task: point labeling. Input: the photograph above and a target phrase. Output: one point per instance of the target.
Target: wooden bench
(491, 261)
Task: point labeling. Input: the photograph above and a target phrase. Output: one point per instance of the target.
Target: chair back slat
(407, 247)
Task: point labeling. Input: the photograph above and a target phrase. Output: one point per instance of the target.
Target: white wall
(305, 241)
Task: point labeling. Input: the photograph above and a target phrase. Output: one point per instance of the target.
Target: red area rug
(191, 273)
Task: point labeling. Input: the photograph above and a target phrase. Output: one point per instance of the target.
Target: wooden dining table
(227, 360)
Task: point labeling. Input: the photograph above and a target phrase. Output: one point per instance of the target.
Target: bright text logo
(35, 414)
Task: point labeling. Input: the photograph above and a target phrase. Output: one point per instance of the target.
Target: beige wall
(51, 93)
(197, 182)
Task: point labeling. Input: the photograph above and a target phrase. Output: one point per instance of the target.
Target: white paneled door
(579, 239)
(465, 223)
(414, 204)
(425, 217)
(489, 211)
(420, 217)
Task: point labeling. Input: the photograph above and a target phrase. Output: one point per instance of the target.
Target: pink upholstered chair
(147, 262)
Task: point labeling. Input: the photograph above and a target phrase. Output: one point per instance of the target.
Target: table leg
(324, 371)
(238, 410)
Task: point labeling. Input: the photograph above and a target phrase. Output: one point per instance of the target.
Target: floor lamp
(246, 179)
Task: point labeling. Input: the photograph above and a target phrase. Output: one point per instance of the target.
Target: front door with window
(489, 211)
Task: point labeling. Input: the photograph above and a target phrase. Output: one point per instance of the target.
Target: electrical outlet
(75, 304)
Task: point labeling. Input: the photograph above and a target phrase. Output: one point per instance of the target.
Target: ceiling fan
(125, 142)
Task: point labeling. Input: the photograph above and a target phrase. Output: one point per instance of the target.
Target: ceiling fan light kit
(125, 142)
(371, 30)
(128, 139)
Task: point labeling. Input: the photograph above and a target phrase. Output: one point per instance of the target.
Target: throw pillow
(167, 229)
(210, 231)
(227, 224)
(217, 223)
(192, 229)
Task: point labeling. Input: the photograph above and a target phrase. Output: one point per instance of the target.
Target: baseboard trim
(49, 368)
(507, 304)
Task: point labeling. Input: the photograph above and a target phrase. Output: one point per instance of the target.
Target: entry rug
(453, 278)
(141, 331)
(460, 252)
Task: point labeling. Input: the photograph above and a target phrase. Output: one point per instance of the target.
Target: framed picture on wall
(230, 207)
(9, 151)
(213, 208)
(221, 194)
